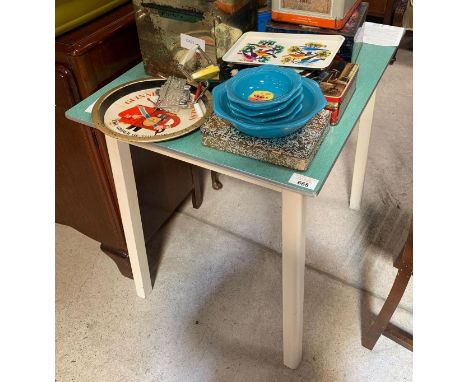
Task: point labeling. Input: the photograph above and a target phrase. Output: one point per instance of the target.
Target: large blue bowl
(314, 101)
(282, 83)
(282, 115)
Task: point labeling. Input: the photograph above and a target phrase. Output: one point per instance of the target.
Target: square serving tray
(310, 51)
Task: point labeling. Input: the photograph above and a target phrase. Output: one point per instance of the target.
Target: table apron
(218, 168)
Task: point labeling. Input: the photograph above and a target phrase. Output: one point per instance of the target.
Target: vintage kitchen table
(373, 61)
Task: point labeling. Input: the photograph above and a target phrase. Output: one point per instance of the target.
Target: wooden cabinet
(381, 8)
(86, 59)
(390, 11)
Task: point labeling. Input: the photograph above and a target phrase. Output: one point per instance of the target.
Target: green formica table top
(372, 59)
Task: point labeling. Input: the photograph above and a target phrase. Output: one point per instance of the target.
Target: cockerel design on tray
(150, 118)
(308, 53)
(262, 51)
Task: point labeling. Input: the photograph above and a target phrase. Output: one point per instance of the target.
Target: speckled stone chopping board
(295, 151)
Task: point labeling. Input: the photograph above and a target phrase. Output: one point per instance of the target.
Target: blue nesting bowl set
(268, 101)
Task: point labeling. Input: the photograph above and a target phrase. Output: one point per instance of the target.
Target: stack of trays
(268, 101)
(348, 31)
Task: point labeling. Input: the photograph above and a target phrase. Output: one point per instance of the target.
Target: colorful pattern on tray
(283, 49)
(305, 54)
(291, 102)
(308, 53)
(262, 51)
(132, 112)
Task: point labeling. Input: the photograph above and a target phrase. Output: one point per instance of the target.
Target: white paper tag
(89, 109)
(188, 42)
(379, 34)
(303, 181)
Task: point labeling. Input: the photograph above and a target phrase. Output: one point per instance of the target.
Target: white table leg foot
(362, 148)
(124, 179)
(293, 227)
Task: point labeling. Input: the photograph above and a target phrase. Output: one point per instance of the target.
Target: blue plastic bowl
(274, 110)
(282, 83)
(282, 115)
(314, 101)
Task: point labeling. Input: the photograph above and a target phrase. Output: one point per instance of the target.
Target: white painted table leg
(124, 179)
(293, 227)
(362, 148)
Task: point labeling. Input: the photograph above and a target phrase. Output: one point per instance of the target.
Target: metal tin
(338, 83)
(161, 22)
(348, 31)
(337, 80)
(320, 13)
(337, 108)
(338, 89)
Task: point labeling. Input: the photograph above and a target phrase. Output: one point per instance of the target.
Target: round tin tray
(127, 113)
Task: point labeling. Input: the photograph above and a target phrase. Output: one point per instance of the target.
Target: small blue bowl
(314, 101)
(289, 104)
(280, 83)
(282, 115)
